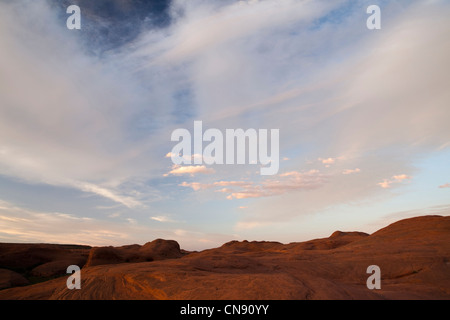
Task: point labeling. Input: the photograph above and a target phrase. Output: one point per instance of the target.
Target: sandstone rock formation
(158, 249)
(41, 261)
(413, 255)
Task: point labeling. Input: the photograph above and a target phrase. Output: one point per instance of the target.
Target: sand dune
(413, 255)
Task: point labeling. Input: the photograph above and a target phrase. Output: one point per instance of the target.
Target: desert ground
(413, 256)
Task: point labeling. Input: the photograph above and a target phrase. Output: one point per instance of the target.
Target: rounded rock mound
(158, 249)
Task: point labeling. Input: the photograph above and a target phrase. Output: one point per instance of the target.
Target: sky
(86, 118)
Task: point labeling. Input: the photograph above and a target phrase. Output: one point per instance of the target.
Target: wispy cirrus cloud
(164, 219)
(19, 224)
(73, 133)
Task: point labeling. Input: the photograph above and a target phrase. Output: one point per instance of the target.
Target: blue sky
(86, 118)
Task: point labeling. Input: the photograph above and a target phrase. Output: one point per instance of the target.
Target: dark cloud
(109, 24)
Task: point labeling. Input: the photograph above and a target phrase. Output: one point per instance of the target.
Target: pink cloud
(351, 171)
(225, 190)
(231, 183)
(328, 160)
(196, 185)
(447, 185)
(247, 194)
(191, 170)
(286, 182)
(386, 184)
(401, 177)
(202, 186)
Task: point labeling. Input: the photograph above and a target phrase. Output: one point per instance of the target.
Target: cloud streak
(283, 183)
(190, 170)
(162, 219)
(351, 171)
